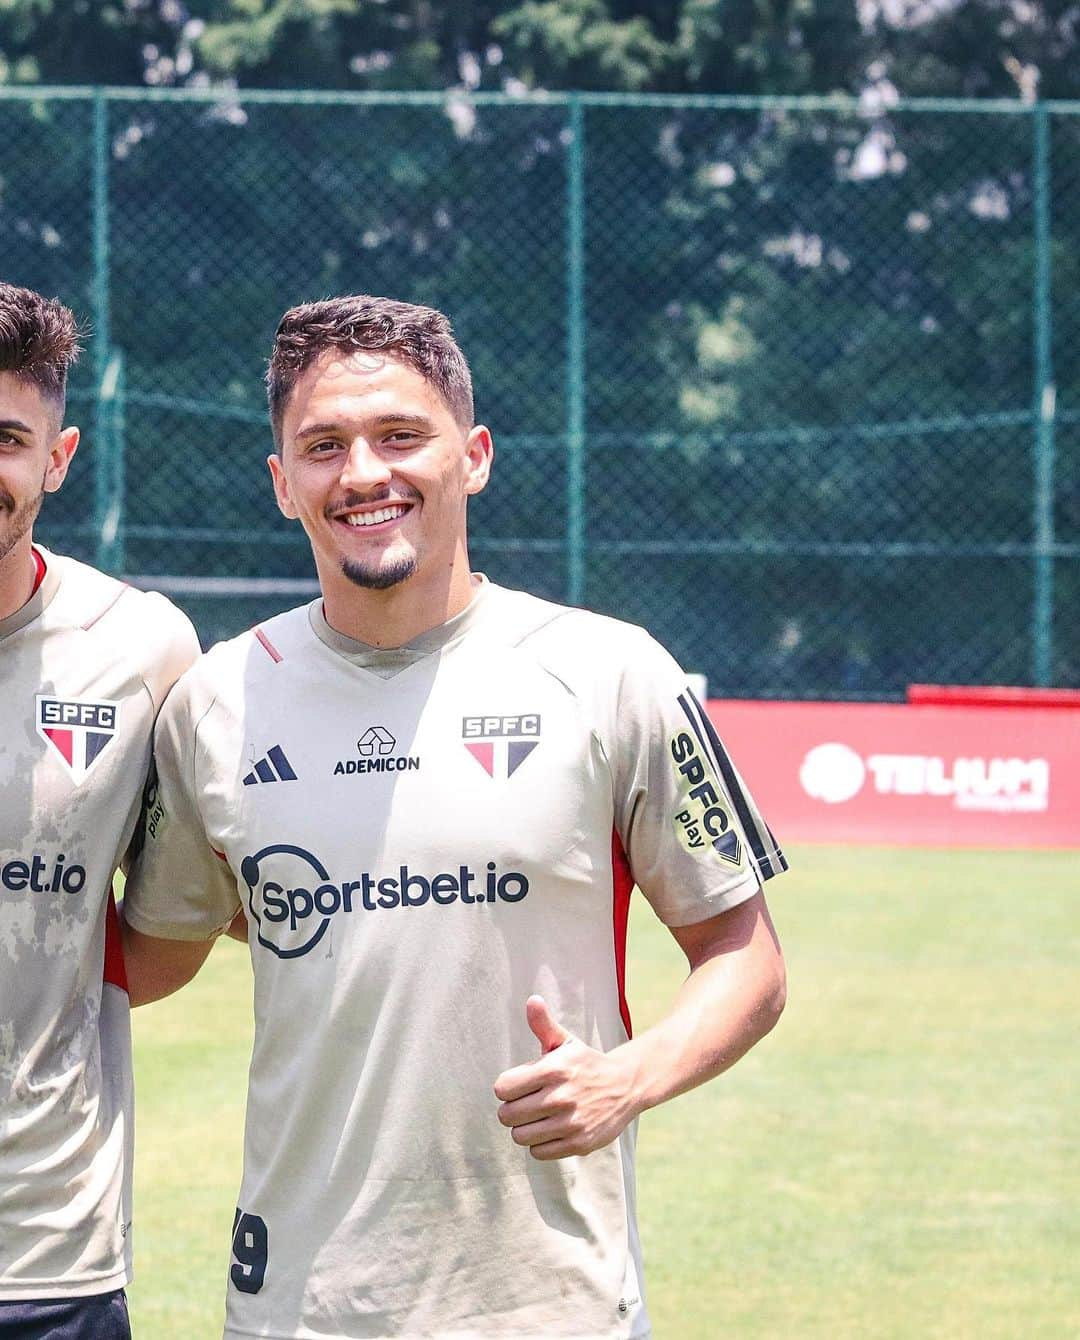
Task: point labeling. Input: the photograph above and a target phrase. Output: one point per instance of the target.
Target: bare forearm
(727, 1004)
(156, 968)
(576, 1099)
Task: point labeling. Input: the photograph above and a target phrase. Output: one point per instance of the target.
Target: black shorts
(103, 1317)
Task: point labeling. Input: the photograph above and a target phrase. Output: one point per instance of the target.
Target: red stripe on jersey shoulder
(124, 588)
(268, 646)
(114, 974)
(622, 885)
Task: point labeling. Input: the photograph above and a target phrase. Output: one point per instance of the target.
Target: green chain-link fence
(775, 378)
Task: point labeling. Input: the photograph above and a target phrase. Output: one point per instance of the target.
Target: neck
(393, 617)
(18, 577)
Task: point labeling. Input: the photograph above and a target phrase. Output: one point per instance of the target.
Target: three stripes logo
(77, 730)
(272, 767)
(501, 744)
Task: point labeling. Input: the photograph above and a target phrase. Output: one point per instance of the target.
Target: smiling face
(34, 457)
(378, 472)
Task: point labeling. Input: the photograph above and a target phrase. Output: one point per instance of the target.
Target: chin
(380, 576)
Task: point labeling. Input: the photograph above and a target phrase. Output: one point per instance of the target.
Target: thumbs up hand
(573, 1100)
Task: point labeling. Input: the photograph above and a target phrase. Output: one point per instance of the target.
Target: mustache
(383, 495)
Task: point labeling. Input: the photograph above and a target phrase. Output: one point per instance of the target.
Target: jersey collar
(389, 661)
(47, 587)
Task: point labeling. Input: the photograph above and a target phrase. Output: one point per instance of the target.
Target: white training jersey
(421, 838)
(84, 666)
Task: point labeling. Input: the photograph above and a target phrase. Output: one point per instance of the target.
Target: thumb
(547, 1031)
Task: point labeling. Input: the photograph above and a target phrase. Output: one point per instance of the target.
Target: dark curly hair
(39, 339)
(420, 337)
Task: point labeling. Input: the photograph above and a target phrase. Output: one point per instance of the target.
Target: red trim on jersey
(39, 570)
(622, 881)
(115, 974)
(271, 650)
(219, 854)
(124, 588)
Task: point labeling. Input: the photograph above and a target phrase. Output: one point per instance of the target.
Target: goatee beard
(378, 578)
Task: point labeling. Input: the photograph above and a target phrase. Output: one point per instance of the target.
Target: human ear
(286, 506)
(479, 453)
(60, 454)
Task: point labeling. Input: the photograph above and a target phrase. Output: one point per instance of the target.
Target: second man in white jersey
(432, 796)
(85, 662)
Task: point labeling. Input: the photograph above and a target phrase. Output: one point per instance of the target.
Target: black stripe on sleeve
(776, 859)
(715, 752)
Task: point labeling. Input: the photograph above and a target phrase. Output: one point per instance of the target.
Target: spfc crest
(78, 730)
(501, 744)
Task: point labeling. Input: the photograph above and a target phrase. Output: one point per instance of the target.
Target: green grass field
(899, 1159)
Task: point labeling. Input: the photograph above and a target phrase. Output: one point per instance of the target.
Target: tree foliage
(923, 47)
(802, 329)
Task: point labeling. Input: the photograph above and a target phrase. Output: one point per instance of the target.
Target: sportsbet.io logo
(293, 898)
(42, 874)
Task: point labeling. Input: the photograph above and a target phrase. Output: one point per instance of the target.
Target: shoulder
(85, 595)
(142, 626)
(241, 665)
(89, 597)
(577, 644)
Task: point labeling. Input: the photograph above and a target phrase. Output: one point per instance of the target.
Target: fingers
(549, 1124)
(523, 1111)
(538, 1132)
(535, 1106)
(556, 1149)
(522, 1080)
(550, 1139)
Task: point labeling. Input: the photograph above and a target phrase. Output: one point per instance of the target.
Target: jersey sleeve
(180, 887)
(695, 841)
(174, 646)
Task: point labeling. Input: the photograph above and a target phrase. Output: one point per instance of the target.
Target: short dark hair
(420, 337)
(39, 339)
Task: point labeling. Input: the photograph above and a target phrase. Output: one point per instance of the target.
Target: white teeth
(373, 518)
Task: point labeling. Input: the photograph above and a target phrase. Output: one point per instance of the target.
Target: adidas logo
(273, 767)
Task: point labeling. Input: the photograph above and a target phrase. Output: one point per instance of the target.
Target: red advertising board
(909, 774)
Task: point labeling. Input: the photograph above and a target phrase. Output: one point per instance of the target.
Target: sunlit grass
(897, 1160)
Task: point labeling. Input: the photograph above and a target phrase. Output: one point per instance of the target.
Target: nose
(363, 468)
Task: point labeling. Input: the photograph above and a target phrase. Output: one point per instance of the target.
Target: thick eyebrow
(420, 421)
(17, 425)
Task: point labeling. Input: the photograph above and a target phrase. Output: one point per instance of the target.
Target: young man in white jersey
(85, 663)
(432, 796)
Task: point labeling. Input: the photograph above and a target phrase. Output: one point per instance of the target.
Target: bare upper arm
(747, 926)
